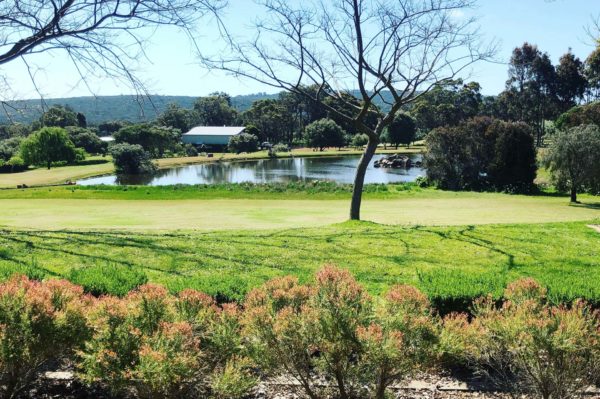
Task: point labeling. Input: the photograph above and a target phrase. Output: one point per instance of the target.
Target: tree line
(465, 137)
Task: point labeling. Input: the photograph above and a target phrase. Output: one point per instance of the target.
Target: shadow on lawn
(463, 236)
(588, 205)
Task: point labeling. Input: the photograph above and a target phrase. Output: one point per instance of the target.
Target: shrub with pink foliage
(526, 345)
(163, 345)
(39, 322)
(333, 329)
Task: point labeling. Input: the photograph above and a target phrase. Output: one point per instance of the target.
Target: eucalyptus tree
(394, 50)
(574, 160)
(530, 94)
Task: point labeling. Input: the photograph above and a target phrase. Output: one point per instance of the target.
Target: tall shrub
(324, 133)
(574, 160)
(48, 145)
(131, 159)
(243, 142)
(482, 154)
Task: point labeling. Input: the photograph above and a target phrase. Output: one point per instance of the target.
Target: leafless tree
(100, 37)
(403, 47)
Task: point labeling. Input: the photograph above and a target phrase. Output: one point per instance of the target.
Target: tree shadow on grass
(463, 236)
(587, 205)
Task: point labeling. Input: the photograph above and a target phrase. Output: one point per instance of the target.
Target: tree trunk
(573, 194)
(359, 178)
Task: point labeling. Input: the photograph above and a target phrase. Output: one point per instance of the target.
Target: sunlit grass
(451, 264)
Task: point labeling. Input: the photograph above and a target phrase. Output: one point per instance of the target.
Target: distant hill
(109, 108)
(126, 107)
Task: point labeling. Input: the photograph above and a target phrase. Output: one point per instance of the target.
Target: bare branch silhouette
(101, 38)
(400, 47)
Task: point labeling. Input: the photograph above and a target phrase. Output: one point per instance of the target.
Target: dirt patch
(62, 384)
(594, 227)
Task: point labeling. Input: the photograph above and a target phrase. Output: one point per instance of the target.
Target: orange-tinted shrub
(39, 322)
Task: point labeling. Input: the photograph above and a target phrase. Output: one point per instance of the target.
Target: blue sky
(555, 26)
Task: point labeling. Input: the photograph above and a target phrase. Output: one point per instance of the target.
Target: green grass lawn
(451, 264)
(260, 207)
(225, 239)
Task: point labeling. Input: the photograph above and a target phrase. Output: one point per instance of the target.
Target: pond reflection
(339, 169)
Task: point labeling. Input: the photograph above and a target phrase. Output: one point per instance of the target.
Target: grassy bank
(451, 264)
(59, 175)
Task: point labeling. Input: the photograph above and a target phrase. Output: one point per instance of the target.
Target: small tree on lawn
(359, 140)
(47, 145)
(324, 133)
(574, 159)
(402, 130)
(398, 48)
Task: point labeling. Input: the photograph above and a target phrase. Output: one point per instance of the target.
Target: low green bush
(13, 165)
(243, 142)
(108, 279)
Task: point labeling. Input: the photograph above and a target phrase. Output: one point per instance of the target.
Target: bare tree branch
(400, 47)
(101, 38)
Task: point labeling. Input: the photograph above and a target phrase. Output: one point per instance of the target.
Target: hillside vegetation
(108, 108)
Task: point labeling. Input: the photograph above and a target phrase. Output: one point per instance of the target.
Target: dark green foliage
(274, 122)
(48, 145)
(482, 154)
(108, 128)
(530, 94)
(154, 139)
(131, 159)
(571, 82)
(592, 72)
(81, 120)
(86, 139)
(513, 163)
(10, 147)
(13, 130)
(447, 105)
(176, 117)
(580, 115)
(243, 142)
(190, 150)
(214, 110)
(574, 160)
(324, 133)
(402, 130)
(359, 140)
(108, 279)
(59, 116)
(455, 158)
